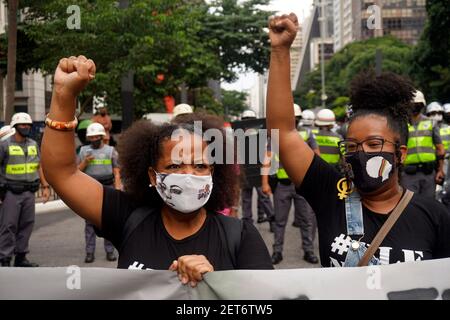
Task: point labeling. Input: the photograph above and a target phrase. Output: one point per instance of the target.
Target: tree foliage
(348, 62)
(234, 101)
(165, 42)
(431, 57)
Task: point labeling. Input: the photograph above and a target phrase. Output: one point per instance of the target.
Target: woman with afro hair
(166, 219)
(352, 207)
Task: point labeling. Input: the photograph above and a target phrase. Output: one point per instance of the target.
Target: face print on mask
(371, 170)
(185, 193)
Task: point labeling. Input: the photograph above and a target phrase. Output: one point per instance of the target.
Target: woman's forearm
(58, 147)
(279, 96)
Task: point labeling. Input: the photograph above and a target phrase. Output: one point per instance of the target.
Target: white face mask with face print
(185, 193)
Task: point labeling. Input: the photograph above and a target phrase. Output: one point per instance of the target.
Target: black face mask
(24, 132)
(417, 108)
(371, 171)
(96, 143)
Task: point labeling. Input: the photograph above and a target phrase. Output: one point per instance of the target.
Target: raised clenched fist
(72, 75)
(282, 30)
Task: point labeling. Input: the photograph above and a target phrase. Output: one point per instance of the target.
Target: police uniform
(284, 194)
(20, 180)
(327, 141)
(420, 163)
(253, 180)
(101, 169)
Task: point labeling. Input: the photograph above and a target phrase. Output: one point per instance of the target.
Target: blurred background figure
(424, 164)
(101, 162)
(101, 116)
(180, 110)
(252, 179)
(6, 132)
(434, 112)
(326, 138)
(285, 194)
(20, 178)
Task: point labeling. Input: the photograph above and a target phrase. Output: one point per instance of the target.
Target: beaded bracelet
(61, 125)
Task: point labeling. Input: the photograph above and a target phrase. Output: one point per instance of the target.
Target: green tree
(152, 38)
(431, 57)
(236, 31)
(348, 62)
(183, 42)
(234, 102)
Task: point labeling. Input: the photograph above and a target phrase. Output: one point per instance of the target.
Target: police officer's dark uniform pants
(284, 194)
(265, 207)
(17, 215)
(91, 238)
(420, 183)
(302, 206)
(264, 204)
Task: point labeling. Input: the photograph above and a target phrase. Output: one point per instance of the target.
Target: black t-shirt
(422, 232)
(150, 246)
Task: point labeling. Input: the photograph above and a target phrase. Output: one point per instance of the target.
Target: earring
(150, 185)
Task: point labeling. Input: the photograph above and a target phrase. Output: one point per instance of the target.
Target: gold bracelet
(61, 125)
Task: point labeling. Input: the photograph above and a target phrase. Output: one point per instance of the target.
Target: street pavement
(58, 240)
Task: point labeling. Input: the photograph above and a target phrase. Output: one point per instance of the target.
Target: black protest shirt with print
(151, 247)
(422, 232)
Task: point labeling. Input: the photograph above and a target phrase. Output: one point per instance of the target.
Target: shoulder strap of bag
(384, 230)
(133, 221)
(232, 229)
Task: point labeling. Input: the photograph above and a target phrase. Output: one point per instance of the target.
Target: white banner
(417, 280)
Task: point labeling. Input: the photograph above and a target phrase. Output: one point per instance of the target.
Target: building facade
(354, 20)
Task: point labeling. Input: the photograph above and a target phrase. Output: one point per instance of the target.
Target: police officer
(443, 121)
(326, 138)
(180, 109)
(305, 127)
(265, 207)
(20, 178)
(425, 152)
(284, 195)
(443, 192)
(434, 112)
(100, 161)
(101, 116)
(445, 127)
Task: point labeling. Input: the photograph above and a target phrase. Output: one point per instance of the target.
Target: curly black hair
(387, 95)
(140, 147)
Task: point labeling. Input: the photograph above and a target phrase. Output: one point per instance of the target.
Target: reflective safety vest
(328, 145)
(304, 133)
(445, 135)
(281, 173)
(421, 148)
(101, 166)
(23, 161)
